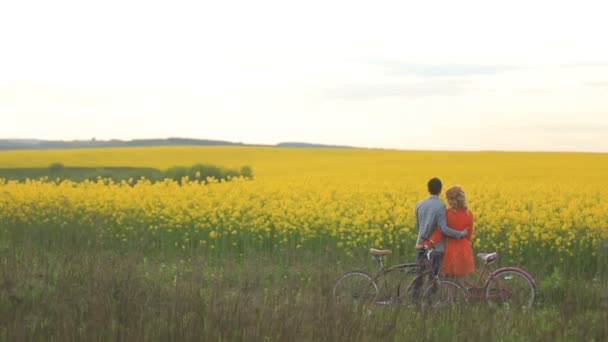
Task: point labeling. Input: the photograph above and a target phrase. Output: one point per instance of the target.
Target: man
(430, 213)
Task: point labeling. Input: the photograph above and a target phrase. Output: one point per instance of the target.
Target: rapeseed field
(526, 205)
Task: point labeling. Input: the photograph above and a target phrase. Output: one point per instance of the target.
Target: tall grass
(72, 289)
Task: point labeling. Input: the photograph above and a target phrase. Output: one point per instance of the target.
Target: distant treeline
(21, 144)
(16, 144)
(58, 171)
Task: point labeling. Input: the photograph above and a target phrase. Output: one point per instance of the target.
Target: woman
(458, 260)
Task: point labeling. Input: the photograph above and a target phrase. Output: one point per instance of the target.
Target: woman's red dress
(458, 257)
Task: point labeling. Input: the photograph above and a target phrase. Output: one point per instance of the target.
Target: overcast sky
(456, 75)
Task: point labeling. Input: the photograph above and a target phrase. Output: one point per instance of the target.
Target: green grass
(75, 289)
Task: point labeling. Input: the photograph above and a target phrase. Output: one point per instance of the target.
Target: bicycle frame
(381, 279)
(385, 270)
(483, 276)
(420, 271)
(382, 270)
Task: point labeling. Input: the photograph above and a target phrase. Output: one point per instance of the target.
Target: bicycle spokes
(355, 287)
(511, 289)
(441, 294)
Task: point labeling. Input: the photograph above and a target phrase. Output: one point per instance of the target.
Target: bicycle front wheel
(355, 287)
(511, 289)
(441, 294)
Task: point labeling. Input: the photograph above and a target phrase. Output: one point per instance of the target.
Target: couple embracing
(447, 230)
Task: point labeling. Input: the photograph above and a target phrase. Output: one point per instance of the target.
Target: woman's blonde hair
(456, 197)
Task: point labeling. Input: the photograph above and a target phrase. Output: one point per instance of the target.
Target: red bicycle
(510, 287)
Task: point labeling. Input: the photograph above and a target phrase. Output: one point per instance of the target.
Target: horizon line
(230, 143)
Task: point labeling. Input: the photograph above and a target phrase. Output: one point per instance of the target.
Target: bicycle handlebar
(426, 249)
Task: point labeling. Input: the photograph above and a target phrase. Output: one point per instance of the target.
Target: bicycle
(360, 286)
(508, 286)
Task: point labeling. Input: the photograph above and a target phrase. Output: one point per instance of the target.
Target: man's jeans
(436, 258)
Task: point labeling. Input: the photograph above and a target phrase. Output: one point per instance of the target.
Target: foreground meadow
(255, 259)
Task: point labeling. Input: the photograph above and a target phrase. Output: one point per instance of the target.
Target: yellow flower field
(525, 204)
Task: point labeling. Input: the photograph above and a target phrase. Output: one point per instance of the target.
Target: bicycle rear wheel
(441, 294)
(511, 289)
(355, 287)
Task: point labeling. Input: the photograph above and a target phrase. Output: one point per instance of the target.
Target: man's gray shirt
(430, 213)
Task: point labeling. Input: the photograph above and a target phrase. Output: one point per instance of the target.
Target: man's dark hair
(435, 186)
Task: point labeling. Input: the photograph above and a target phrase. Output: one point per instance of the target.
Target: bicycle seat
(488, 257)
(380, 252)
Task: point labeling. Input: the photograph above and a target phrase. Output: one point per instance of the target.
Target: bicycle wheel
(510, 289)
(441, 294)
(355, 287)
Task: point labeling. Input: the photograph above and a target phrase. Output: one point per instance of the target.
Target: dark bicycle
(362, 287)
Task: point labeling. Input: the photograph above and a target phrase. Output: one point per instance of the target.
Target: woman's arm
(471, 225)
(447, 231)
